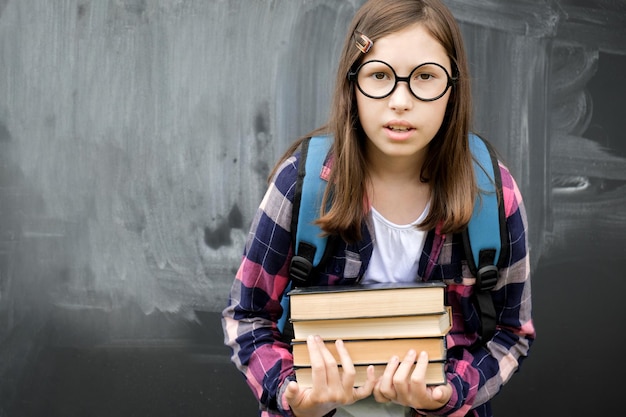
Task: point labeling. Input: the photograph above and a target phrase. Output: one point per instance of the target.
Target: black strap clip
(299, 269)
(487, 277)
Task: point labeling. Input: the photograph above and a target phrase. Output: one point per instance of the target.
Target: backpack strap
(309, 243)
(486, 237)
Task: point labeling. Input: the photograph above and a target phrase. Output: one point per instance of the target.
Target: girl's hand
(399, 385)
(331, 388)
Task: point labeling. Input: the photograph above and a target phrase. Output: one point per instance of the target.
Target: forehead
(408, 48)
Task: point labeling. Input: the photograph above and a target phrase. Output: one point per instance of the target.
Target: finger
(318, 366)
(437, 393)
(330, 363)
(418, 377)
(402, 376)
(442, 393)
(385, 384)
(291, 393)
(349, 374)
(347, 378)
(378, 395)
(366, 389)
(405, 367)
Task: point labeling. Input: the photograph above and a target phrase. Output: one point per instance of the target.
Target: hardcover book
(379, 300)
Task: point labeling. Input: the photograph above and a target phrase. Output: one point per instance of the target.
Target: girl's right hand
(331, 388)
(401, 385)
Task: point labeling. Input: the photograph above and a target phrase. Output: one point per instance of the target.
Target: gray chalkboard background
(135, 139)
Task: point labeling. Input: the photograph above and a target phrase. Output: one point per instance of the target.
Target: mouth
(398, 128)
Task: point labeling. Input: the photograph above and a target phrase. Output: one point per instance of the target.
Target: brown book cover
(366, 351)
(435, 374)
(367, 300)
(393, 327)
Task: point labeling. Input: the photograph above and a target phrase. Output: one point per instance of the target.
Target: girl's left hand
(399, 385)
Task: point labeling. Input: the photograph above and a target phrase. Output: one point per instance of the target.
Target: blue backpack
(485, 238)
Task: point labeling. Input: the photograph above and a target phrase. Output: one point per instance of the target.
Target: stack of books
(375, 322)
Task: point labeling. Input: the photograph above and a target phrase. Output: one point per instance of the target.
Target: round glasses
(377, 79)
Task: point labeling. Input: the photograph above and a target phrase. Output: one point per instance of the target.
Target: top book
(366, 300)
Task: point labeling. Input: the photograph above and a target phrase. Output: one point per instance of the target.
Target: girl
(403, 188)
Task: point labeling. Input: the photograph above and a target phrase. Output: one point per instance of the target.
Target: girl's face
(401, 125)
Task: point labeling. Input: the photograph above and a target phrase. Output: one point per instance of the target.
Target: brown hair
(448, 166)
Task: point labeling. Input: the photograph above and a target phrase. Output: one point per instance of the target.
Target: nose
(401, 98)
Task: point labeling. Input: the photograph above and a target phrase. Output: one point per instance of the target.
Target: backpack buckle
(299, 269)
(487, 277)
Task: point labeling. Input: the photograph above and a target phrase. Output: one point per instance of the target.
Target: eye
(375, 71)
(429, 73)
(424, 76)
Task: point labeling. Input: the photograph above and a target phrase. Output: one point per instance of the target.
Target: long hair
(448, 165)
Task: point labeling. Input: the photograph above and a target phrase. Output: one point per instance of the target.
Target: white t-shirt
(397, 250)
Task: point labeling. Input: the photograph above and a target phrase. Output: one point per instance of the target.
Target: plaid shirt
(475, 371)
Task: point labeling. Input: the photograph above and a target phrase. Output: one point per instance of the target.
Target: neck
(394, 169)
(395, 188)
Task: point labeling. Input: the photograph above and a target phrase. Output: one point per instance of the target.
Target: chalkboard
(135, 141)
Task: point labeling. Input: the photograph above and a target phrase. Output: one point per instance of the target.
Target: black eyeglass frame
(352, 76)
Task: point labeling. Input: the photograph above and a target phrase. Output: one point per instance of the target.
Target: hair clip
(363, 42)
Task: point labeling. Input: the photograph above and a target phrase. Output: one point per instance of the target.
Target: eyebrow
(412, 68)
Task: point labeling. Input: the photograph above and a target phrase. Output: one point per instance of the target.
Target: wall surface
(135, 139)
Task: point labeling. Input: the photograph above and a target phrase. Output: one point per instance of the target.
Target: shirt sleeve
(250, 319)
(477, 371)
